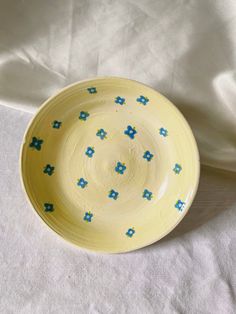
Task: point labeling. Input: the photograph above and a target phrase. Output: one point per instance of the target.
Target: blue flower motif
(82, 183)
(163, 132)
(48, 207)
(56, 124)
(130, 232)
(83, 115)
(88, 216)
(113, 194)
(92, 90)
(48, 169)
(147, 155)
(143, 100)
(36, 143)
(130, 131)
(101, 133)
(177, 168)
(147, 194)
(120, 100)
(180, 205)
(90, 151)
(120, 168)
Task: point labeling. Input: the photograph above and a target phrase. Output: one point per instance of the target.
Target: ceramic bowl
(110, 164)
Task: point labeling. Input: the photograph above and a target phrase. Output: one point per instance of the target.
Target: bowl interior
(110, 164)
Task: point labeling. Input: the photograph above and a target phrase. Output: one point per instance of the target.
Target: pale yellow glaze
(65, 149)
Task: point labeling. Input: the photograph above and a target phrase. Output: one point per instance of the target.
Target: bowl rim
(60, 235)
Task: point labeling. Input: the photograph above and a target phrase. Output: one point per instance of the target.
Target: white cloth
(187, 51)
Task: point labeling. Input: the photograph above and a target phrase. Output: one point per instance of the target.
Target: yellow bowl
(110, 164)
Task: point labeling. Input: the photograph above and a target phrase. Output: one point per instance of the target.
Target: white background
(187, 51)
